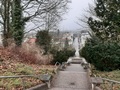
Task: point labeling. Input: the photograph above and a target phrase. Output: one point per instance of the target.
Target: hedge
(105, 56)
(62, 55)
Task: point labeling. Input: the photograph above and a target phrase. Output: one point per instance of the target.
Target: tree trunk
(6, 31)
(5, 43)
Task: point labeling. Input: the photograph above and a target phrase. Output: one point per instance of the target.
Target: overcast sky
(76, 9)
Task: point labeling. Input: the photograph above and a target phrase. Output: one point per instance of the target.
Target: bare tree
(33, 11)
(54, 16)
(82, 21)
(48, 12)
(5, 20)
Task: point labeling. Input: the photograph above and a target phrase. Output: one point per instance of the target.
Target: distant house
(83, 37)
(29, 44)
(31, 40)
(58, 40)
(69, 36)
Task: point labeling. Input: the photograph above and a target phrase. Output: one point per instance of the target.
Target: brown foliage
(24, 56)
(27, 53)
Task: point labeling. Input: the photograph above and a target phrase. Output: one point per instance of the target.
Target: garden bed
(113, 75)
(16, 68)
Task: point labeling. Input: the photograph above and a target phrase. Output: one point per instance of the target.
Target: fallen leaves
(10, 65)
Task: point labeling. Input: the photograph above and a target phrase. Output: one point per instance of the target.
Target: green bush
(62, 56)
(43, 39)
(105, 56)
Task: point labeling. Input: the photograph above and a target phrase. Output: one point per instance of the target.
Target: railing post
(49, 84)
(23, 83)
(93, 86)
(104, 84)
(111, 87)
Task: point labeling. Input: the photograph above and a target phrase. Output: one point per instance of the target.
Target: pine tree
(106, 26)
(43, 39)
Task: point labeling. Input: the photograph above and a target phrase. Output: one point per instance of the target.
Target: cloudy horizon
(77, 9)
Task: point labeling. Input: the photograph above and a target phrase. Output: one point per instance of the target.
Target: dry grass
(38, 53)
(17, 68)
(15, 62)
(113, 75)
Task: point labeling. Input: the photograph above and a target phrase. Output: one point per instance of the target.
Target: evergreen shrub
(62, 55)
(105, 56)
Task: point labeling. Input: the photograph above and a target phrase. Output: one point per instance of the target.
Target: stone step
(76, 62)
(74, 77)
(73, 80)
(77, 59)
(67, 89)
(75, 68)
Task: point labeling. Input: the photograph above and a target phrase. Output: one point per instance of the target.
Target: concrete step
(72, 80)
(75, 68)
(74, 77)
(76, 62)
(80, 59)
(67, 89)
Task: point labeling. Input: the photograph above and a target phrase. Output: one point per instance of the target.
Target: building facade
(84, 35)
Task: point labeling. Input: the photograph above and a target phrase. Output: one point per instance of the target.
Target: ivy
(18, 23)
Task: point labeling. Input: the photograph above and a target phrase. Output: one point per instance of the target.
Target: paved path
(75, 68)
(74, 77)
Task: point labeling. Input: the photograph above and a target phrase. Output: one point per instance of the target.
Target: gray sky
(76, 9)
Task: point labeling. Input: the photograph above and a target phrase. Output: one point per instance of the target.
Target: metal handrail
(19, 76)
(22, 77)
(113, 81)
(109, 80)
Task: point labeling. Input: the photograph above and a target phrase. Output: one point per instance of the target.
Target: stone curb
(39, 87)
(44, 86)
(55, 76)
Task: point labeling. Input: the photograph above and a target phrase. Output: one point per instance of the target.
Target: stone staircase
(74, 77)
